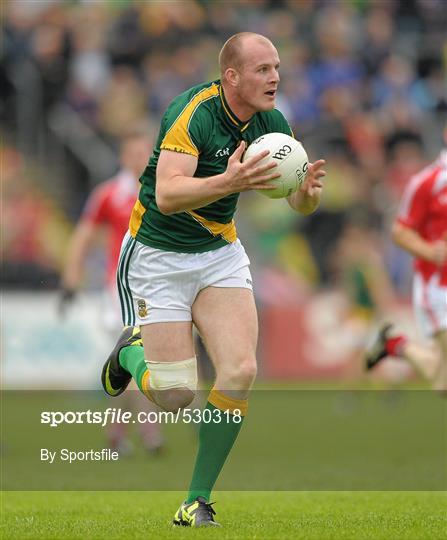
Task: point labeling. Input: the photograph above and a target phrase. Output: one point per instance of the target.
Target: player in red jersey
(421, 229)
(109, 207)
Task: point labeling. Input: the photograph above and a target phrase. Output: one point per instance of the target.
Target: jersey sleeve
(414, 203)
(186, 124)
(95, 209)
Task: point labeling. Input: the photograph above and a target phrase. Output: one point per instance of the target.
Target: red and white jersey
(424, 209)
(110, 204)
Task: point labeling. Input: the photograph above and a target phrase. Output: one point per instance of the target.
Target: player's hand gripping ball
(291, 158)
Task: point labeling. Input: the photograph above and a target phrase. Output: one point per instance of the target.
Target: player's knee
(174, 399)
(243, 374)
(173, 384)
(248, 372)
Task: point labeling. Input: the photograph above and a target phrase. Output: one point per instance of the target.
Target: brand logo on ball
(282, 152)
(301, 173)
(291, 162)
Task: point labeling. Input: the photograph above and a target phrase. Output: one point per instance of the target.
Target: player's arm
(307, 198)
(410, 240)
(93, 216)
(177, 190)
(73, 270)
(80, 243)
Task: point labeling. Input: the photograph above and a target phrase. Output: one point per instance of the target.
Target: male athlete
(421, 229)
(182, 263)
(108, 208)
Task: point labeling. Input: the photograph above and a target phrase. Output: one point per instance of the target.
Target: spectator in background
(359, 264)
(405, 159)
(360, 272)
(378, 37)
(123, 103)
(31, 247)
(50, 54)
(376, 75)
(109, 206)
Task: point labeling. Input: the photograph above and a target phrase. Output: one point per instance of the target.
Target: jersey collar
(229, 115)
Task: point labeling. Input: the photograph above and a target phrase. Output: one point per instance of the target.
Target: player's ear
(232, 76)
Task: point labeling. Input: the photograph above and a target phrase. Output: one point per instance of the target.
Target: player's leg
(430, 307)
(430, 361)
(437, 294)
(165, 370)
(429, 302)
(225, 315)
(171, 376)
(156, 291)
(132, 400)
(425, 359)
(440, 378)
(227, 321)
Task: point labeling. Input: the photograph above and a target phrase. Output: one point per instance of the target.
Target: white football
(291, 158)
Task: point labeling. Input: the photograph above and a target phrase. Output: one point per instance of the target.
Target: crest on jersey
(142, 308)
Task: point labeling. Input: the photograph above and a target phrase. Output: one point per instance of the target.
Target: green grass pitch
(243, 515)
(358, 445)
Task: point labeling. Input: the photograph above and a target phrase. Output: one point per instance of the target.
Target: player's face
(259, 76)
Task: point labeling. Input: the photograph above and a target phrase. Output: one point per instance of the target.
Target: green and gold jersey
(198, 122)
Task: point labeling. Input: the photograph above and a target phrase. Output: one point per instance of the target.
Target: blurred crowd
(363, 84)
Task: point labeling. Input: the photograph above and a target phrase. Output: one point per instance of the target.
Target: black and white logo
(301, 173)
(222, 152)
(282, 152)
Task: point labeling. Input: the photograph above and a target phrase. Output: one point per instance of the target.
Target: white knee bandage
(167, 375)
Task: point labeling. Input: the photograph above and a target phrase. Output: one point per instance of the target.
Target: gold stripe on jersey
(226, 230)
(136, 218)
(177, 137)
(229, 114)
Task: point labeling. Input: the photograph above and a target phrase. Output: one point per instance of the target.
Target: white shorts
(430, 304)
(161, 286)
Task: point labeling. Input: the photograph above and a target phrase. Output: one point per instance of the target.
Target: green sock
(132, 360)
(215, 442)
